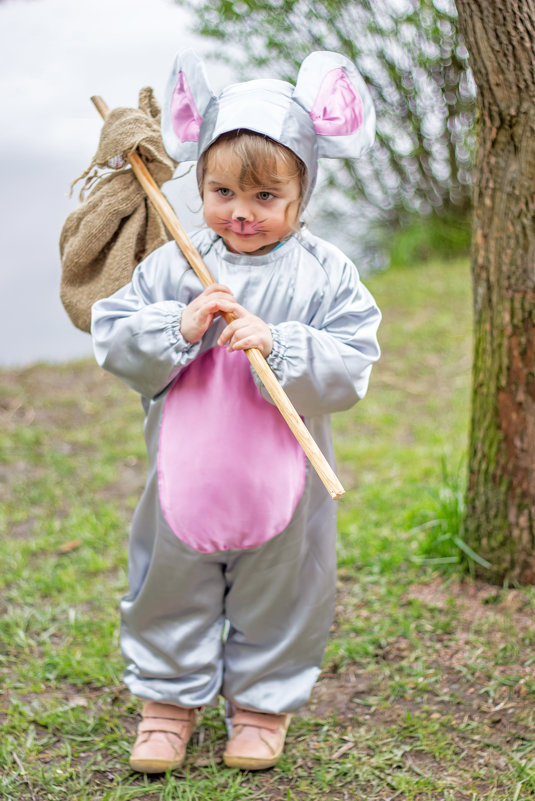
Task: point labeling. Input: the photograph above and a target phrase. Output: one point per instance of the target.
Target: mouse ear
(187, 97)
(339, 104)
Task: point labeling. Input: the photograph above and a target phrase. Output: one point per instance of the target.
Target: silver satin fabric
(278, 599)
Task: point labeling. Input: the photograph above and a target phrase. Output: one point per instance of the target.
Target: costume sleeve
(325, 366)
(136, 332)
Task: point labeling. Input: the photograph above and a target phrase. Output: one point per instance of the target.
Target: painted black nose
(240, 219)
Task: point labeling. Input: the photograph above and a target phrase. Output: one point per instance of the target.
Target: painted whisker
(244, 226)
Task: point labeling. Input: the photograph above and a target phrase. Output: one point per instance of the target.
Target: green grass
(428, 687)
(425, 238)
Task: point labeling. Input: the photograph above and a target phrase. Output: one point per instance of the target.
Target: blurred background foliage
(410, 197)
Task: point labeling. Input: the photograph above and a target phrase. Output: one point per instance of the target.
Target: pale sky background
(55, 54)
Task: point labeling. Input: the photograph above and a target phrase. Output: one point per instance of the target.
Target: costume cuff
(278, 351)
(185, 350)
(274, 360)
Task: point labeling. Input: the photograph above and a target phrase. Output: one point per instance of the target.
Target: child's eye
(224, 192)
(265, 195)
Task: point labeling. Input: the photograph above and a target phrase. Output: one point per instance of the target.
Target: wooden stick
(265, 373)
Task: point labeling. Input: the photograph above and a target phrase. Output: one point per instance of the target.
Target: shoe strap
(155, 709)
(260, 720)
(163, 724)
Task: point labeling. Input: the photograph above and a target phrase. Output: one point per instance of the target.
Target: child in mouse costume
(232, 562)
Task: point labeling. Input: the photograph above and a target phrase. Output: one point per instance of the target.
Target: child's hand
(246, 331)
(198, 315)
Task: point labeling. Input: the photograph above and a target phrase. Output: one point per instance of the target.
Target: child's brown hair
(260, 158)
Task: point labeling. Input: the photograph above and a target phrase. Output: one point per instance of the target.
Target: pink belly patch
(230, 471)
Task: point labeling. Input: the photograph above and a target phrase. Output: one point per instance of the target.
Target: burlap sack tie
(116, 226)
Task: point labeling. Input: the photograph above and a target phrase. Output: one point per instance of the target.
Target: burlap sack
(116, 226)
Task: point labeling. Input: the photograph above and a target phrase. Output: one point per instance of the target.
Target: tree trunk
(500, 523)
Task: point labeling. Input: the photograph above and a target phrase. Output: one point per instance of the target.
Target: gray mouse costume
(232, 562)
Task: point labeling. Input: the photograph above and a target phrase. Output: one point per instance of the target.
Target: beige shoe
(257, 740)
(162, 737)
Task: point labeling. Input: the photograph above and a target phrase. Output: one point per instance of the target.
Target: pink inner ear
(337, 110)
(184, 115)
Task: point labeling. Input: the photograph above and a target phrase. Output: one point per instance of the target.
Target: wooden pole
(265, 373)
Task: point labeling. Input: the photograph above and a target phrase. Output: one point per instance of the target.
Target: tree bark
(500, 521)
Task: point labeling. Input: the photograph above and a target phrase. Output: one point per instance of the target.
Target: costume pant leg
(280, 605)
(172, 620)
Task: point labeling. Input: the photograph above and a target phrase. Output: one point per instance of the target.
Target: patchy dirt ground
(449, 687)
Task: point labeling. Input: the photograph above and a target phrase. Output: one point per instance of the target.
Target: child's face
(251, 219)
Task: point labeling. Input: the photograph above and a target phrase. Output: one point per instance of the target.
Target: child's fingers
(230, 331)
(204, 308)
(247, 331)
(199, 314)
(211, 298)
(216, 288)
(224, 304)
